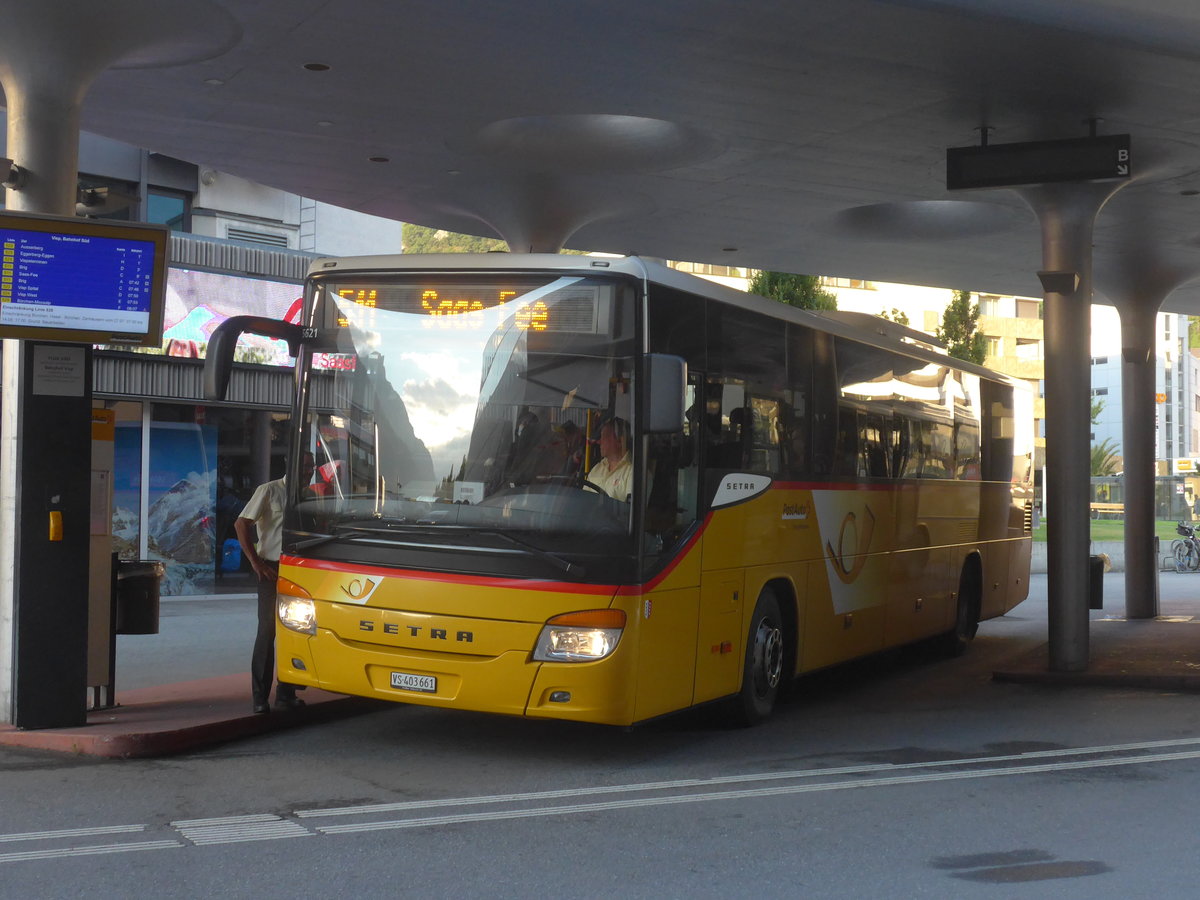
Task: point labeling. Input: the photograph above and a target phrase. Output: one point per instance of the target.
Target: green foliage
(895, 315)
(1105, 460)
(419, 239)
(1114, 530)
(1097, 408)
(958, 329)
(257, 355)
(804, 291)
(1193, 333)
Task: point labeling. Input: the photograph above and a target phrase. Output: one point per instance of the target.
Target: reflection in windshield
(472, 404)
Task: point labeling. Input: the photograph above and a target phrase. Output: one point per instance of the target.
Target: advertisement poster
(182, 498)
(197, 302)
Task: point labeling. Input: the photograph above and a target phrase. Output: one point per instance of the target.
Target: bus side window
(845, 453)
(765, 436)
(901, 447)
(726, 424)
(872, 441)
(673, 477)
(823, 418)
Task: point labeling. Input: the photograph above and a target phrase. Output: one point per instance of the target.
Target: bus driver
(614, 473)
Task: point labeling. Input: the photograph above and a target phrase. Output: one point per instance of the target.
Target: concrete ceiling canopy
(928, 220)
(587, 144)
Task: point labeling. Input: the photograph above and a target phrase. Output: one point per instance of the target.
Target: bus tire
(762, 668)
(966, 617)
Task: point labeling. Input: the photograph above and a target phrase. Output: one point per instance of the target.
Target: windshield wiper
(566, 566)
(342, 532)
(350, 532)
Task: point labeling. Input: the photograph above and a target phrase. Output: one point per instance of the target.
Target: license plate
(406, 681)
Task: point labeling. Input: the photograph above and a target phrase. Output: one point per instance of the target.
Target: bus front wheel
(762, 669)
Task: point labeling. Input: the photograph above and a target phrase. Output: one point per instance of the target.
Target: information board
(1102, 158)
(82, 280)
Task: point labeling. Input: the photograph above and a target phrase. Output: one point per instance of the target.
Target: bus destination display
(59, 280)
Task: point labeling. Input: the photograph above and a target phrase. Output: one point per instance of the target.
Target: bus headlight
(580, 636)
(297, 611)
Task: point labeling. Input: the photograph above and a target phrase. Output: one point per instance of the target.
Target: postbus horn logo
(359, 590)
(853, 543)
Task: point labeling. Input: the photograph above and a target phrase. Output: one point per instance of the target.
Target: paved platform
(1160, 654)
(177, 718)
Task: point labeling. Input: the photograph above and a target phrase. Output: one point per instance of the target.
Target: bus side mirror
(664, 394)
(218, 358)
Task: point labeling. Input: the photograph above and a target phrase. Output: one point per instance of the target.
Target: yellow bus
(603, 490)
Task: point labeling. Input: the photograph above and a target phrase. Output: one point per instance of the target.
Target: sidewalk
(185, 688)
(177, 718)
(1160, 654)
(206, 640)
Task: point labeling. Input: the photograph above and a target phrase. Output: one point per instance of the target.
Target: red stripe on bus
(568, 587)
(634, 589)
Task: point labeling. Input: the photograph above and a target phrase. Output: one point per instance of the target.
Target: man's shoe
(261, 708)
(288, 703)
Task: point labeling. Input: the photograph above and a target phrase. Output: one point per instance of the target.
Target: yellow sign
(1160, 398)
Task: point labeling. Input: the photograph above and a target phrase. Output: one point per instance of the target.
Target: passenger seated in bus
(524, 455)
(613, 474)
(569, 449)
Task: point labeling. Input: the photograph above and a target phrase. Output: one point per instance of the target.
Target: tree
(419, 239)
(804, 291)
(957, 330)
(899, 316)
(1097, 408)
(1105, 460)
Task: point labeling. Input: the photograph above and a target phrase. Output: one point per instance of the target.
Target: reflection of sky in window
(436, 363)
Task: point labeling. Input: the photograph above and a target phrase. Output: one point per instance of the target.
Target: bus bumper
(507, 682)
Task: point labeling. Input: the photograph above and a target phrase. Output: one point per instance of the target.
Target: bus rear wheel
(966, 618)
(762, 670)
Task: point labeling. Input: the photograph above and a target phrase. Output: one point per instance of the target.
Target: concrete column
(1137, 449)
(1067, 214)
(43, 138)
(50, 52)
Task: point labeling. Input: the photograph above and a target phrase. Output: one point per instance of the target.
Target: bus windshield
(453, 403)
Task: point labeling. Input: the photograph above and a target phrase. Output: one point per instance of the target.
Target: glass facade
(182, 474)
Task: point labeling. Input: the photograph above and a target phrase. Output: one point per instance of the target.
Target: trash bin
(1096, 582)
(137, 595)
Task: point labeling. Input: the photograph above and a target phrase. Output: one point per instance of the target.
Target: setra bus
(598, 489)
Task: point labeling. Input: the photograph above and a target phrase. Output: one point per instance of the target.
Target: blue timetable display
(81, 280)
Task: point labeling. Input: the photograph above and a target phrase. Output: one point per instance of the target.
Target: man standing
(264, 512)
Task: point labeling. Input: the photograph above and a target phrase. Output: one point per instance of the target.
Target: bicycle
(1186, 551)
